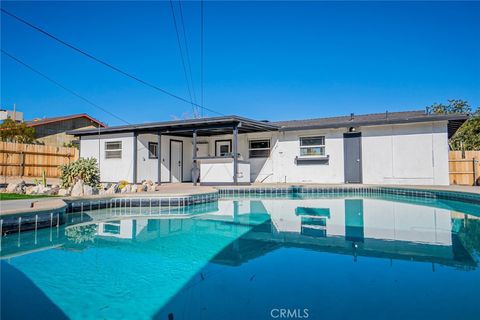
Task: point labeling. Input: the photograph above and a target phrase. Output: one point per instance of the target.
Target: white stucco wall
(405, 154)
(111, 170)
(391, 154)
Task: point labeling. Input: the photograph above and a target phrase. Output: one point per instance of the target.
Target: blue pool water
(316, 257)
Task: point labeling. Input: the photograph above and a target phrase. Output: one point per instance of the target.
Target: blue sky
(264, 60)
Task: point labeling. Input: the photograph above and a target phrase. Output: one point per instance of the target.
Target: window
(113, 150)
(259, 148)
(153, 150)
(312, 146)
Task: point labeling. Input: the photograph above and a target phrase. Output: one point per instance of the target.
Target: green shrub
(84, 168)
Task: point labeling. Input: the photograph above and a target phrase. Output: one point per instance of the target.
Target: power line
(62, 86)
(187, 52)
(181, 53)
(201, 52)
(106, 63)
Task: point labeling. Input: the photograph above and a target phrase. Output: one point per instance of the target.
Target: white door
(176, 161)
(223, 148)
(202, 150)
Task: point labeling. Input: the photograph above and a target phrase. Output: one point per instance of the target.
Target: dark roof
(222, 125)
(205, 126)
(43, 121)
(368, 120)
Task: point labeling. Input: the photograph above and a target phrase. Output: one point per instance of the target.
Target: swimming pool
(313, 256)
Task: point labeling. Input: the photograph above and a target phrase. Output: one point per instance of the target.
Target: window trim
(324, 146)
(106, 151)
(150, 154)
(250, 147)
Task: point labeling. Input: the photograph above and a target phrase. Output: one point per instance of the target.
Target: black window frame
(152, 155)
(250, 149)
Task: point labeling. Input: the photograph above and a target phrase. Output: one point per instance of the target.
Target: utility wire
(106, 63)
(181, 52)
(201, 52)
(62, 86)
(187, 53)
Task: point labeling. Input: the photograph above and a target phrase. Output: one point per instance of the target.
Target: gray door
(352, 146)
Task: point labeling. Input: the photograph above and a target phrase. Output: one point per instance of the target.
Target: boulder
(53, 190)
(152, 188)
(16, 187)
(112, 189)
(127, 189)
(63, 192)
(142, 188)
(87, 190)
(148, 182)
(134, 188)
(77, 190)
(3, 190)
(31, 190)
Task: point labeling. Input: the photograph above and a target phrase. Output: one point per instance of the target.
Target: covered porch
(171, 151)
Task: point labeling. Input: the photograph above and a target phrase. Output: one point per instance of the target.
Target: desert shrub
(122, 184)
(80, 234)
(85, 169)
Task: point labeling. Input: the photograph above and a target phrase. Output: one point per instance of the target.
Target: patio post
(235, 154)
(135, 138)
(159, 157)
(195, 151)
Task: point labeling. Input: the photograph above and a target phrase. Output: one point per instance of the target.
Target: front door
(223, 148)
(352, 146)
(176, 160)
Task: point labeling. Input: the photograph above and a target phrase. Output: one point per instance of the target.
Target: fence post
(22, 164)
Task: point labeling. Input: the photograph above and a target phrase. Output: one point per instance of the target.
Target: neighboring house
(15, 115)
(53, 131)
(385, 148)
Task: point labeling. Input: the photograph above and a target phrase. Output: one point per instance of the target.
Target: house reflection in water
(357, 227)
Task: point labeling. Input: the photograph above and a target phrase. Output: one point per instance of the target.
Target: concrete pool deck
(11, 207)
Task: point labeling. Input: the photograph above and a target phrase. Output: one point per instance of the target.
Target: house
(15, 115)
(385, 148)
(53, 131)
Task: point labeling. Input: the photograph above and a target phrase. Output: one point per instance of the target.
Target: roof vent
(352, 115)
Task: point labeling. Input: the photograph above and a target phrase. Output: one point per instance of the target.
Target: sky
(263, 60)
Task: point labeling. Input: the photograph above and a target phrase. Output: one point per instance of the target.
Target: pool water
(315, 257)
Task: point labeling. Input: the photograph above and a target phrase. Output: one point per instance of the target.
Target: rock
(152, 188)
(105, 185)
(31, 190)
(127, 189)
(77, 190)
(3, 190)
(148, 182)
(112, 189)
(53, 190)
(87, 190)
(16, 187)
(134, 188)
(142, 188)
(55, 186)
(63, 192)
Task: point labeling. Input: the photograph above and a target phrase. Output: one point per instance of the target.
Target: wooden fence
(464, 167)
(30, 160)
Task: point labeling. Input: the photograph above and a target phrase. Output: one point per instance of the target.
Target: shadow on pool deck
(22, 299)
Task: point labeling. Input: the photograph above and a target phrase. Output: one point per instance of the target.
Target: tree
(468, 135)
(12, 131)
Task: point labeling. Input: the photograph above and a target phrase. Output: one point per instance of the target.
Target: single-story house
(53, 131)
(385, 148)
